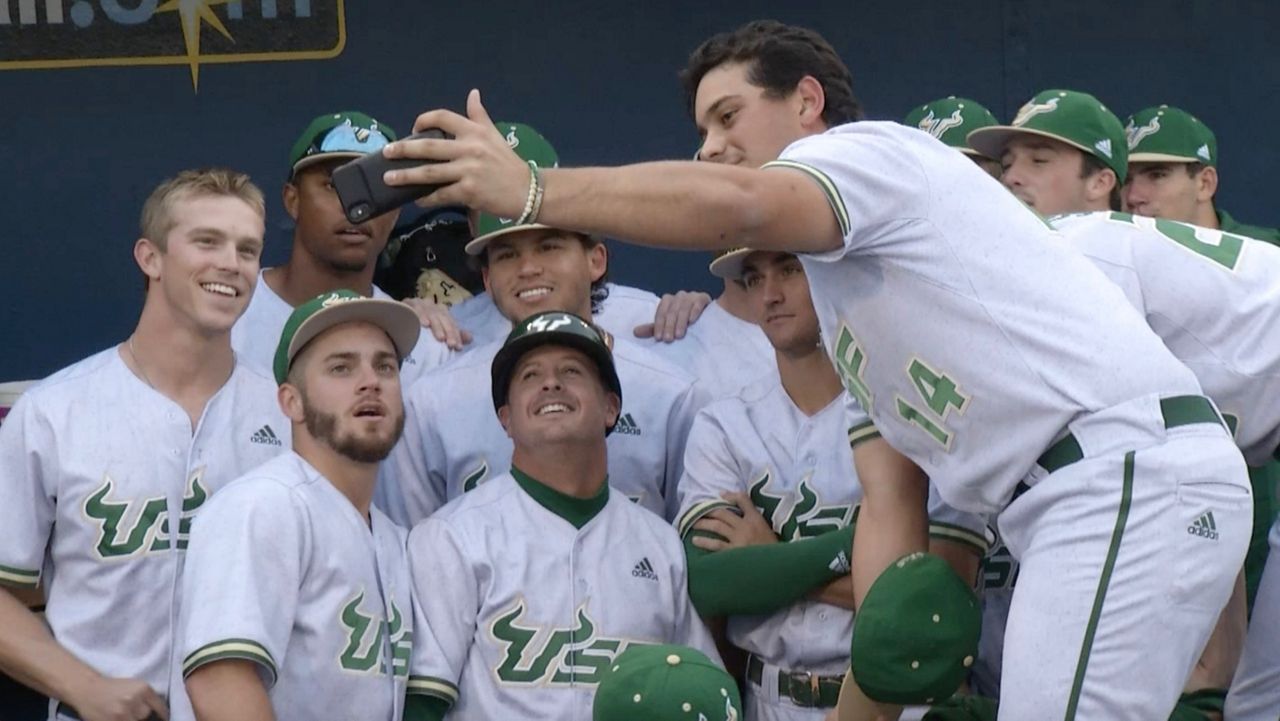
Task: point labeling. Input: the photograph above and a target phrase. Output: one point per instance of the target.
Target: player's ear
(612, 408)
(148, 257)
(1206, 183)
(289, 196)
(813, 101)
(598, 260)
(1098, 185)
(290, 399)
(504, 417)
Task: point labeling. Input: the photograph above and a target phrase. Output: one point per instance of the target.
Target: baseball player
(551, 574)
(985, 351)
(724, 349)
(320, 625)
(451, 445)
(622, 309)
(1173, 172)
(950, 120)
(104, 464)
(777, 454)
(1058, 139)
(329, 252)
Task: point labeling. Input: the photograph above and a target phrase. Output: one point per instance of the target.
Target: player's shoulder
(647, 364)
(631, 294)
(246, 374)
(481, 506)
(87, 376)
(274, 487)
(862, 131)
(641, 522)
(462, 374)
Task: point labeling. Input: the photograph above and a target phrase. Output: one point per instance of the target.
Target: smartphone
(363, 194)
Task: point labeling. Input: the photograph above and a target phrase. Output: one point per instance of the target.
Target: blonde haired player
(104, 465)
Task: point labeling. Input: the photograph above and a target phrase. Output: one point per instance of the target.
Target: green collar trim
(578, 511)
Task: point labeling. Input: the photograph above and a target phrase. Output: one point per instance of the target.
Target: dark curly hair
(779, 56)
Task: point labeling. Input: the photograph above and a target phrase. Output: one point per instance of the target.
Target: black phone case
(362, 192)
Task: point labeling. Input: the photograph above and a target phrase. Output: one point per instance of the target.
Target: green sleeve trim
(694, 514)
(825, 184)
(231, 648)
(959, 534)
(19, 577)
(1204, 701)
(764, 578)
(862, 433)
(425, 708)
(433, 687)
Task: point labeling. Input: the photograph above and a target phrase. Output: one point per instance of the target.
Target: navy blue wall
(82, 147)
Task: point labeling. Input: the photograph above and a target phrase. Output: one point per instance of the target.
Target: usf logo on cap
(1032, 109)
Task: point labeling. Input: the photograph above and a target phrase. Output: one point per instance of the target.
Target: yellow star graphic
(191, 13)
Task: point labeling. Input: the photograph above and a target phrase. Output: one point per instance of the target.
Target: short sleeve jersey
(453, 441)
(1213, 297)
(256, 335)
(286, 573)
(799, 473)
(100, 478)
(520, 610)
(722, 351)
(970, 334)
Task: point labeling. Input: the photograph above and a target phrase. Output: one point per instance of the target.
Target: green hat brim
(729, 265)
(990, 142)
(396, 319)
(477, 245)
(317, 158)
(1164, 158)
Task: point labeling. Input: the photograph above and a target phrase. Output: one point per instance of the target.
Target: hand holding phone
(363, 193)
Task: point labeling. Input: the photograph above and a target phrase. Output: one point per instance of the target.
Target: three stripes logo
(627, 425)
(1204, 527)
(644, 569)
(266, 437)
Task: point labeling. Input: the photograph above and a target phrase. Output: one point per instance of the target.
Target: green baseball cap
(665, 683)
(1069, 116)
(552, 327)
(343, 306)
(348, 134)
(1164, 134)
(916, 634)
(532, 148)
(950, 120)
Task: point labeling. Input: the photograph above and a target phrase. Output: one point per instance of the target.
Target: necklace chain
(142, 371)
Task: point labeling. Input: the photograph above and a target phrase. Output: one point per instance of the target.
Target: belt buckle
(804, 689)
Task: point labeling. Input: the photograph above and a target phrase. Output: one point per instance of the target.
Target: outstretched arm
(680, 205)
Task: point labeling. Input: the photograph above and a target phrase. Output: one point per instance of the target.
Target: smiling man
(1003, 364)
(104, 464)
(452, 444)
(329, 252)
(550, 573)
(296, 598)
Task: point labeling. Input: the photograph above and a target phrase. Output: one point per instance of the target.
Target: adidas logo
(266, 437)
(840, 564)
(644, 569)
(627, 425)
(1204, 527)
(1104, 146)
(1203, 152)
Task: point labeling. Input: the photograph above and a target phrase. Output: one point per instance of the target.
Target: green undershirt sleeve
(764, 578)
(424, 708)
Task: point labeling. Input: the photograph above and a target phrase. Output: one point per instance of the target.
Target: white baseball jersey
(453, 441)
(955, 316)
(283, 571)
(538, 599)
(620, 313)
(799, 472)
(722, 351)
(1213, 297)
(96, 470)
(256, 335)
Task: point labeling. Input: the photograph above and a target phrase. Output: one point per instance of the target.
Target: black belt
(801, 687)
(1176, 410)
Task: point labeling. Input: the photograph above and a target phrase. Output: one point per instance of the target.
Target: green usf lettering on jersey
(474, 478)
(128, 528)
(850, 364)
(808, 517)
(1219, 247)
(538, 656)
(999, 569)
(940, 394)
(365, 635)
